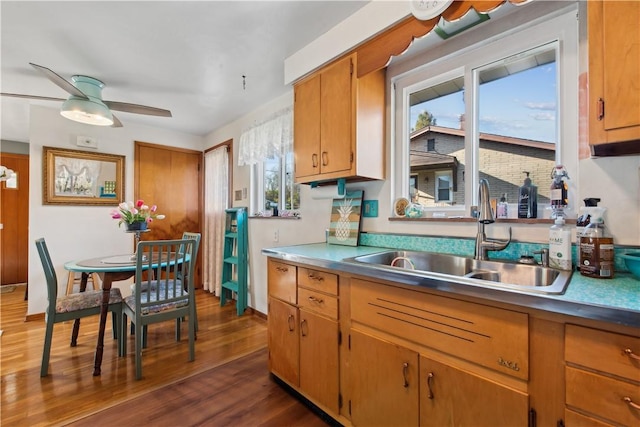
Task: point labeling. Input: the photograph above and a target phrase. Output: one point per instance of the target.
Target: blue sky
(522, 105)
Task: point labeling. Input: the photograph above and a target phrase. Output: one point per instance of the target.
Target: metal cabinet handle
(316, 300)
(600, 109)
(631, 354)
(302, 329)
(629, 402)
(291, 322)
(282, 269)
(405, 369)
(312, 276)
(314, 160)
(325, 158)
(429, 378)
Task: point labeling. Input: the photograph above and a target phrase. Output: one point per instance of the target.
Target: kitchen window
(275, 181)
(497, 109)
(268, 148)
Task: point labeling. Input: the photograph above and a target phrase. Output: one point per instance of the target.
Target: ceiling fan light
(86, 111)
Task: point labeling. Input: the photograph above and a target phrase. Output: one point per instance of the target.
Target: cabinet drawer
(608, 352)
(603, 396)
(282, 281)
(319, 303)
(318, 280)
(495, 338)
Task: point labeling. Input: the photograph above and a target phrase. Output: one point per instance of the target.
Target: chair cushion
(87, 299)
(159, 297)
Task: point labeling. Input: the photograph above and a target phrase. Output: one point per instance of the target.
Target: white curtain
(267, 140)
(216, 200)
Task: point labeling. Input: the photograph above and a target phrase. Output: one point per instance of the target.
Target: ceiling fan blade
(60, 81)
(116, 122)
(137, 109)
(40, 98)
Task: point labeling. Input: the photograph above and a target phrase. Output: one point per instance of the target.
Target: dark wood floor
(240, 395)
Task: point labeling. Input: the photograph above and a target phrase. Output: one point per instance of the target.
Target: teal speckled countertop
(614, 300)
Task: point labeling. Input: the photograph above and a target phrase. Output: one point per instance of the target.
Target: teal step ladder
(235, 259)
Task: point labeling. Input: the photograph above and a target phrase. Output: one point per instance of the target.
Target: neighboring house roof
(485, 137)
(427, 159)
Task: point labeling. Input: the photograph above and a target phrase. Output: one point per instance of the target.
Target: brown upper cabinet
(339, 124)
(614, 77)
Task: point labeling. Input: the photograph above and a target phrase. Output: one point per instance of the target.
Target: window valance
(267, 140)
(377, 52)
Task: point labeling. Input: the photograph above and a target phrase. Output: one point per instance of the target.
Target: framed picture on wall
(75, 177)
(346, 215)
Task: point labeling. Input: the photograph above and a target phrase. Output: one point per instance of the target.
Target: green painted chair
(185, 235)
(196, 237)
(72, 307)
(163, 291)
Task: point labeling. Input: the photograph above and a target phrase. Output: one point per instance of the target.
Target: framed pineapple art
(345, 219)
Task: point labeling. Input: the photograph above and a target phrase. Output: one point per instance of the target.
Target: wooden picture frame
(75, 177)
(346, 215)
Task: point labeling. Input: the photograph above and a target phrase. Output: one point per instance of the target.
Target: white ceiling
(187, 57)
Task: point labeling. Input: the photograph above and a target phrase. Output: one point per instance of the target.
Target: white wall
(80, 232)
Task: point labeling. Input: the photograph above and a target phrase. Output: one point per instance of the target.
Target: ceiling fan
(85, 105)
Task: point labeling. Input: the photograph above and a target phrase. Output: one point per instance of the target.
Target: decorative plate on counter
(400, 206)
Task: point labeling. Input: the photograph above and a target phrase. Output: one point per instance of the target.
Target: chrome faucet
(483, 243)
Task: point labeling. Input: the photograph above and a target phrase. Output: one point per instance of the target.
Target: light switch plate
(370, 208)
(87, 142)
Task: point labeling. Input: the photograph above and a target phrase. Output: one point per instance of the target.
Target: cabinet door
(337, 117)
(614, 71)
(319, 359)
(283, 341)
(451, 397)
(384, 381)
(306, 127)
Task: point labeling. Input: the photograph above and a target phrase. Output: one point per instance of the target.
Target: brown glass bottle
(596, 251)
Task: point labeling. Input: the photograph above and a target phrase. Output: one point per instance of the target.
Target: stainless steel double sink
(500, 274)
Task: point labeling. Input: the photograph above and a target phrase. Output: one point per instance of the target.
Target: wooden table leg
(76, 323)
(104, 310)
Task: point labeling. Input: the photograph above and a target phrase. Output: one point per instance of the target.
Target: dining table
(113, 268)
(110, 269)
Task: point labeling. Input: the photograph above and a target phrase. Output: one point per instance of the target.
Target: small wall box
(370, 208)
(87, 142)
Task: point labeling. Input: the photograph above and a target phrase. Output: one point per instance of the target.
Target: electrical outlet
(276, 235)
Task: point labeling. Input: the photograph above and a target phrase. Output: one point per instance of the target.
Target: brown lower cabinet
(373, 353)
(384, 383)
(453, 397)
(303, 333)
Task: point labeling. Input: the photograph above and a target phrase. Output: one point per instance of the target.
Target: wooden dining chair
(72, 307)
(163, 291)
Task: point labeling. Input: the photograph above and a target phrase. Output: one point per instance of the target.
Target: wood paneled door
(14, 217)
(171, 178)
